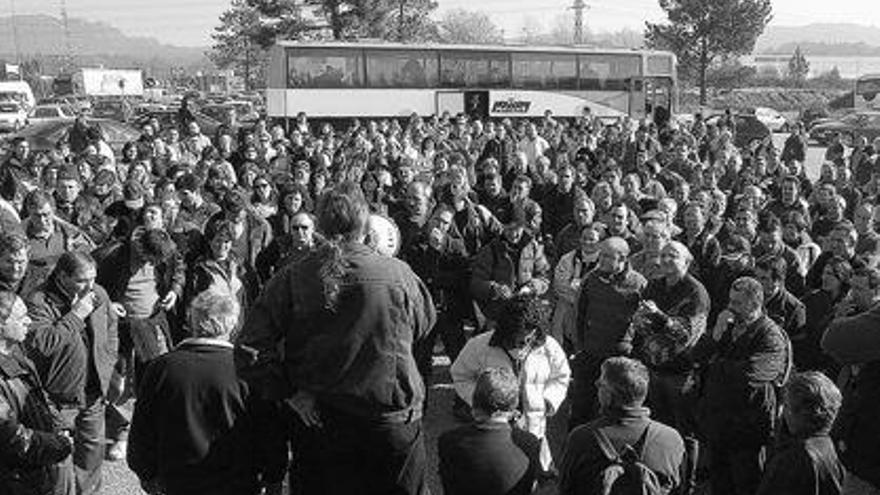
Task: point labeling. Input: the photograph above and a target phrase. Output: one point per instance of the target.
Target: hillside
(43, 36)
(822, 39)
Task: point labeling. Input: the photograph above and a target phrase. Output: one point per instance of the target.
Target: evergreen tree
(701, 32)
(798, 68)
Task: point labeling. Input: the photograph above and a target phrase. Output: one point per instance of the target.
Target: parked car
(748, 128)
(44, 135)
(774, 120)
(13, 116)
(849, 127)
(51, 112)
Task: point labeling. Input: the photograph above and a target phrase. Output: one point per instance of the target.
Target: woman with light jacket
(567, 278)
(519, 343)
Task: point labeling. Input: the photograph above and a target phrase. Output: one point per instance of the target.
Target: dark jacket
(787, 311)
(355, 357)
(44, 253)
(559, 209)
(116, 267)
(583, 459)
(86, 213)
(738, 407)
(28, 440)
(854, 341)
(516, 267)
(685, 306)
(488, 459)
(707, 254)
(605, 307)
(804, 466)
(73, 357)
(192, 427)
(475, 226)
(444, 271)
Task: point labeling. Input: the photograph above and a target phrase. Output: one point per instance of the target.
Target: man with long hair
(347, 319)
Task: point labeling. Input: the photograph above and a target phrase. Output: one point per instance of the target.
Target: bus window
(474, 70)
(401, 69)
(660, 65)
(324, 68)
(544, 71)
(608, 71)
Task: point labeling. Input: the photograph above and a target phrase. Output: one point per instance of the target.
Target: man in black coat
(192, 432)
(746, 358)
(489, 457)
(74, 345)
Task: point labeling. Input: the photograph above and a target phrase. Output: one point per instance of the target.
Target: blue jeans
(87, 424)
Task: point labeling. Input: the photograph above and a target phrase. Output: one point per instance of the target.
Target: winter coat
(29, 443)
(567, 278)
(515, 267)
(58, 345)
(738, 406)
(543, 374)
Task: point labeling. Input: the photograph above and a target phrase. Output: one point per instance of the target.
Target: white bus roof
(485, 48)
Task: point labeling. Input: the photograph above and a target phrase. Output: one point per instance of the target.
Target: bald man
(678, 305)
(610, 295)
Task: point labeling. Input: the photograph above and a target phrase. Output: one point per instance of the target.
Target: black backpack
(625, 473)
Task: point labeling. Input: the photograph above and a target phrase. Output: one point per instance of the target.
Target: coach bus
(345, 80)
(867, 90)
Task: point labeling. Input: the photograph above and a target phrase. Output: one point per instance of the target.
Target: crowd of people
(701, 314)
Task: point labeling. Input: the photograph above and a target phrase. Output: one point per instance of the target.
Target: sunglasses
(299, 227)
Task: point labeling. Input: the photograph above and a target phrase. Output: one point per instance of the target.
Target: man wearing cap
(252, 235)
(511, 264)
(193, 207)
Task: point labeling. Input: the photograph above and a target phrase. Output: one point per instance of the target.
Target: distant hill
(821, 39)
(42, 36)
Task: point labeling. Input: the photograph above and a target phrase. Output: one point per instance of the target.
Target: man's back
(584, 460)
(488, 459)
(191, 421)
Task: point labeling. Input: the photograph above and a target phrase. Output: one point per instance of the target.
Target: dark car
(43, 136)
(747, 128)
(850, 127)
(168, 119)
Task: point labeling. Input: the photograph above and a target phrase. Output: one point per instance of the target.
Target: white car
(13, 116)
(50, 112)
(774, 120)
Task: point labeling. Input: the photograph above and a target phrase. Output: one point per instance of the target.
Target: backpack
(625, 473)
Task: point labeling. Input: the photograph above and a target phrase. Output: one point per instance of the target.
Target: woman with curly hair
(521, 344)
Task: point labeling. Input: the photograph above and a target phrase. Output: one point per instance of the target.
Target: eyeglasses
(300, 227)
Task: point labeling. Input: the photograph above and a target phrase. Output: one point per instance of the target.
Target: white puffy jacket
(543, 380)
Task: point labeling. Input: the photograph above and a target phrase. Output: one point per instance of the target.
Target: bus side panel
(518, 103)
(340, 103)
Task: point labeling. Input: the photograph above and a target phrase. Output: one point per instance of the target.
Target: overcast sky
(190, 22)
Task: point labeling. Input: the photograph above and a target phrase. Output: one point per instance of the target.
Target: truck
(101, 83)
(18, 91)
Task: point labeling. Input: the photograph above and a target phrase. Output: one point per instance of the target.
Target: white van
(19, 91)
